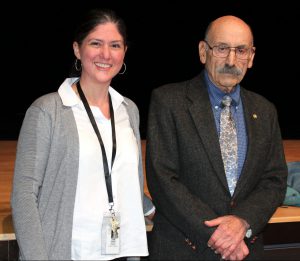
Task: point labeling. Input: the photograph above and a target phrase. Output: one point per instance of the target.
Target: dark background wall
(36, 51)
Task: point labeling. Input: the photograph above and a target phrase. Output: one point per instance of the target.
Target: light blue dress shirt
(215, 96)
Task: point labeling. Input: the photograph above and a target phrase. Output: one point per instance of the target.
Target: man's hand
(239, 254)
(228, 238)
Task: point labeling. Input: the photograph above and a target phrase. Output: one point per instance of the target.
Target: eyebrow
(237, 46)
(103, 41)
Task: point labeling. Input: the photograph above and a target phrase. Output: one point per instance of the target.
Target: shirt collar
(216, 95)
(69, 97)
(66, 93)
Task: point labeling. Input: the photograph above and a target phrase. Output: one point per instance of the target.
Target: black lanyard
(104, 158)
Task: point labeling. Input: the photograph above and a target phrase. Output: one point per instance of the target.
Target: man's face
(227, 53)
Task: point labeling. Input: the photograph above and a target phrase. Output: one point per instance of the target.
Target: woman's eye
(95, 44)
(116, 45)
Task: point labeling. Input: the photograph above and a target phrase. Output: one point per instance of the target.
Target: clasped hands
(228, 238)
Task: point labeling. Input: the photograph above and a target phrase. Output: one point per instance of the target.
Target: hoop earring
(77, 66)
(124, 69)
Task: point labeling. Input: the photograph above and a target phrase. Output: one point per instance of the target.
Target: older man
(215, 163)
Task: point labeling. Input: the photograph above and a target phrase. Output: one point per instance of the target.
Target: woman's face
(101, 53)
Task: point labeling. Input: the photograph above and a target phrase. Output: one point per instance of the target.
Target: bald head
(230, 27)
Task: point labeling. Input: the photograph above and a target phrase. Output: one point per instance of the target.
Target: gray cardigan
(45, 178)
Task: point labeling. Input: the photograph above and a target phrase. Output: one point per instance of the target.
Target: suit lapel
(251, 122)
(202, 115)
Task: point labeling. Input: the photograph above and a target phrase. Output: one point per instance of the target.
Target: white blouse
(91, 200)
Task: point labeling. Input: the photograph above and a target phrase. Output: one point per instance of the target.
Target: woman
(78, 181)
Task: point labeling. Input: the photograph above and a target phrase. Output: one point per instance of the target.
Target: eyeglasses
(222, 51)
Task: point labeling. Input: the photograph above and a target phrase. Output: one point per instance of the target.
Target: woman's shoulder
(129, 101)
(130, 104)
(49, 103)
(47, 100)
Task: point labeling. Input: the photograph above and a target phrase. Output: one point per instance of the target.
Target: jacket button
(232, 204)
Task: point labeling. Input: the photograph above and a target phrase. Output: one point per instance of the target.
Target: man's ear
(202, 51)
(250, 62)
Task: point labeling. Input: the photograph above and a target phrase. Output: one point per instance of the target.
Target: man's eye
(223, 49)
(242, 50)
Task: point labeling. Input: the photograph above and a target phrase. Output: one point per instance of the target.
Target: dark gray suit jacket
(186, 177)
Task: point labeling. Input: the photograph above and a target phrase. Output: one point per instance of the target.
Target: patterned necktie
(228, 143)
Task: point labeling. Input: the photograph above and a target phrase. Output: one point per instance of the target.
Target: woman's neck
(96, 95)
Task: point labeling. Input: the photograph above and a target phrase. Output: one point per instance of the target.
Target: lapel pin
(254, 116)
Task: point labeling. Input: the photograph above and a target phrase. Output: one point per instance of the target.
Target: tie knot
(226, 100)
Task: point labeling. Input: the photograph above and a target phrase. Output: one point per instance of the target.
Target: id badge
(110, 234)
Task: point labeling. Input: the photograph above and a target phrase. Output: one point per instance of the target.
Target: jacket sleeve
(269, 189)
(172, 198)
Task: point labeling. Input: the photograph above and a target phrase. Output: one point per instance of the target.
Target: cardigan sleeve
(31, 159)
(133, 113)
